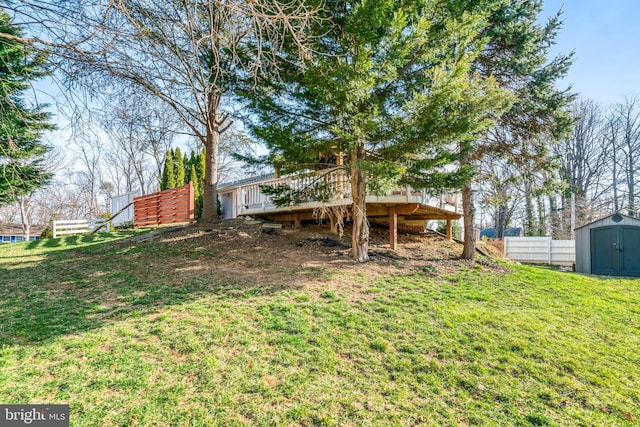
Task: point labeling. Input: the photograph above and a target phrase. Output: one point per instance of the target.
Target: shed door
(615, 250)
(629, 250)
(604, 250)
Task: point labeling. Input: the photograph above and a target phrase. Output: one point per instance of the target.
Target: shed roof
(632, 219)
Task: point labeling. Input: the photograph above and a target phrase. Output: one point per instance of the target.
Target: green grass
(126, 337)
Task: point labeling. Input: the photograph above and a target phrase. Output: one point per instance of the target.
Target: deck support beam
(297, 222)
(449, 229)
(393, 228)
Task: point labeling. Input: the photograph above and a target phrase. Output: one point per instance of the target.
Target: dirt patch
(311, 255)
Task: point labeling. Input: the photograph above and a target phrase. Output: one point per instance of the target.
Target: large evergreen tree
(390, 91)
(517, 56)
(21, 126)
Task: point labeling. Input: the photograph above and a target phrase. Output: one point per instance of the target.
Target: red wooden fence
(164, 207)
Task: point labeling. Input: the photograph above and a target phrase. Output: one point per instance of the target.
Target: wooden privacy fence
(164, 207)
(76, 226)
(540, 250)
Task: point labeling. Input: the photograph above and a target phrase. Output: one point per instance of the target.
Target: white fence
(118, 203)
(541, 250)
(77, 226)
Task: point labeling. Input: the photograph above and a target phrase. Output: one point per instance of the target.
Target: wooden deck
(405, 206)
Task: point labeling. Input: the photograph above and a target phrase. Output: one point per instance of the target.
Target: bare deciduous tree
(583, 157)
(499, 190)
(186, 53)
(628, 113)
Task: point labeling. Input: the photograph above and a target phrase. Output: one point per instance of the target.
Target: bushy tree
(391, 91)
(21, 126)
(179, 168)
(168, 172)
(517, 56)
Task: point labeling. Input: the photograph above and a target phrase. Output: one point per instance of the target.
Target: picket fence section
(540, 250)
(164, 207)
(77, 226)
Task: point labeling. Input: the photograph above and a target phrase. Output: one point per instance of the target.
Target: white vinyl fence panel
(77, 226)
(540, 250)
(119, 202)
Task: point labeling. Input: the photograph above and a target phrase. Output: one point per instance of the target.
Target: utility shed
(609, 246)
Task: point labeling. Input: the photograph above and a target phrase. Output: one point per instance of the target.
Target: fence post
(191, 201)
(55, 230)
(506, 245)
(550, 249)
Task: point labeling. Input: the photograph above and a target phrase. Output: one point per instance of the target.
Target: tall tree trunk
(529, 222)
(631, 183)
(542, 221)
(614, 177)
(215, 127)
(360, 233)
(468, 211)
(501, 221)
(210, 196)
(554, 217)
(24, 217)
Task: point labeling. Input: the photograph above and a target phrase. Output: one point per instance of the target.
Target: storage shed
(609, 246)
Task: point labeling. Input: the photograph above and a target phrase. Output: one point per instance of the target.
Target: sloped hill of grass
(235, 327)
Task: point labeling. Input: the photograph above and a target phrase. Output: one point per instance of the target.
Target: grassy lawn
(127, 336)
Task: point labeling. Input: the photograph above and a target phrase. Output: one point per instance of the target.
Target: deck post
(297, 223)
(393, 228)
(338, 174)
(449, 230)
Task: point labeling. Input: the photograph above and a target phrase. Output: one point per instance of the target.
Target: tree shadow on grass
(76, 289)
(69, 240)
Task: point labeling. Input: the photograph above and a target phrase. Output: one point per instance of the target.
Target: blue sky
(605, 35)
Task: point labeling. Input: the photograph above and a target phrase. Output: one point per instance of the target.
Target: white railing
(251, 199)
(540, 250)
(77, 226)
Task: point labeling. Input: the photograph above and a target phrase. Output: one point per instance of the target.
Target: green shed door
(615, 250)
(604, 250)
(629, 237)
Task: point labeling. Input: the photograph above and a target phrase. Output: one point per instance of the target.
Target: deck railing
(251, 199)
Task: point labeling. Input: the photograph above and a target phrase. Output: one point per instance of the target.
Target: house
(492, 233)
(405, 207)
(12, 233)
